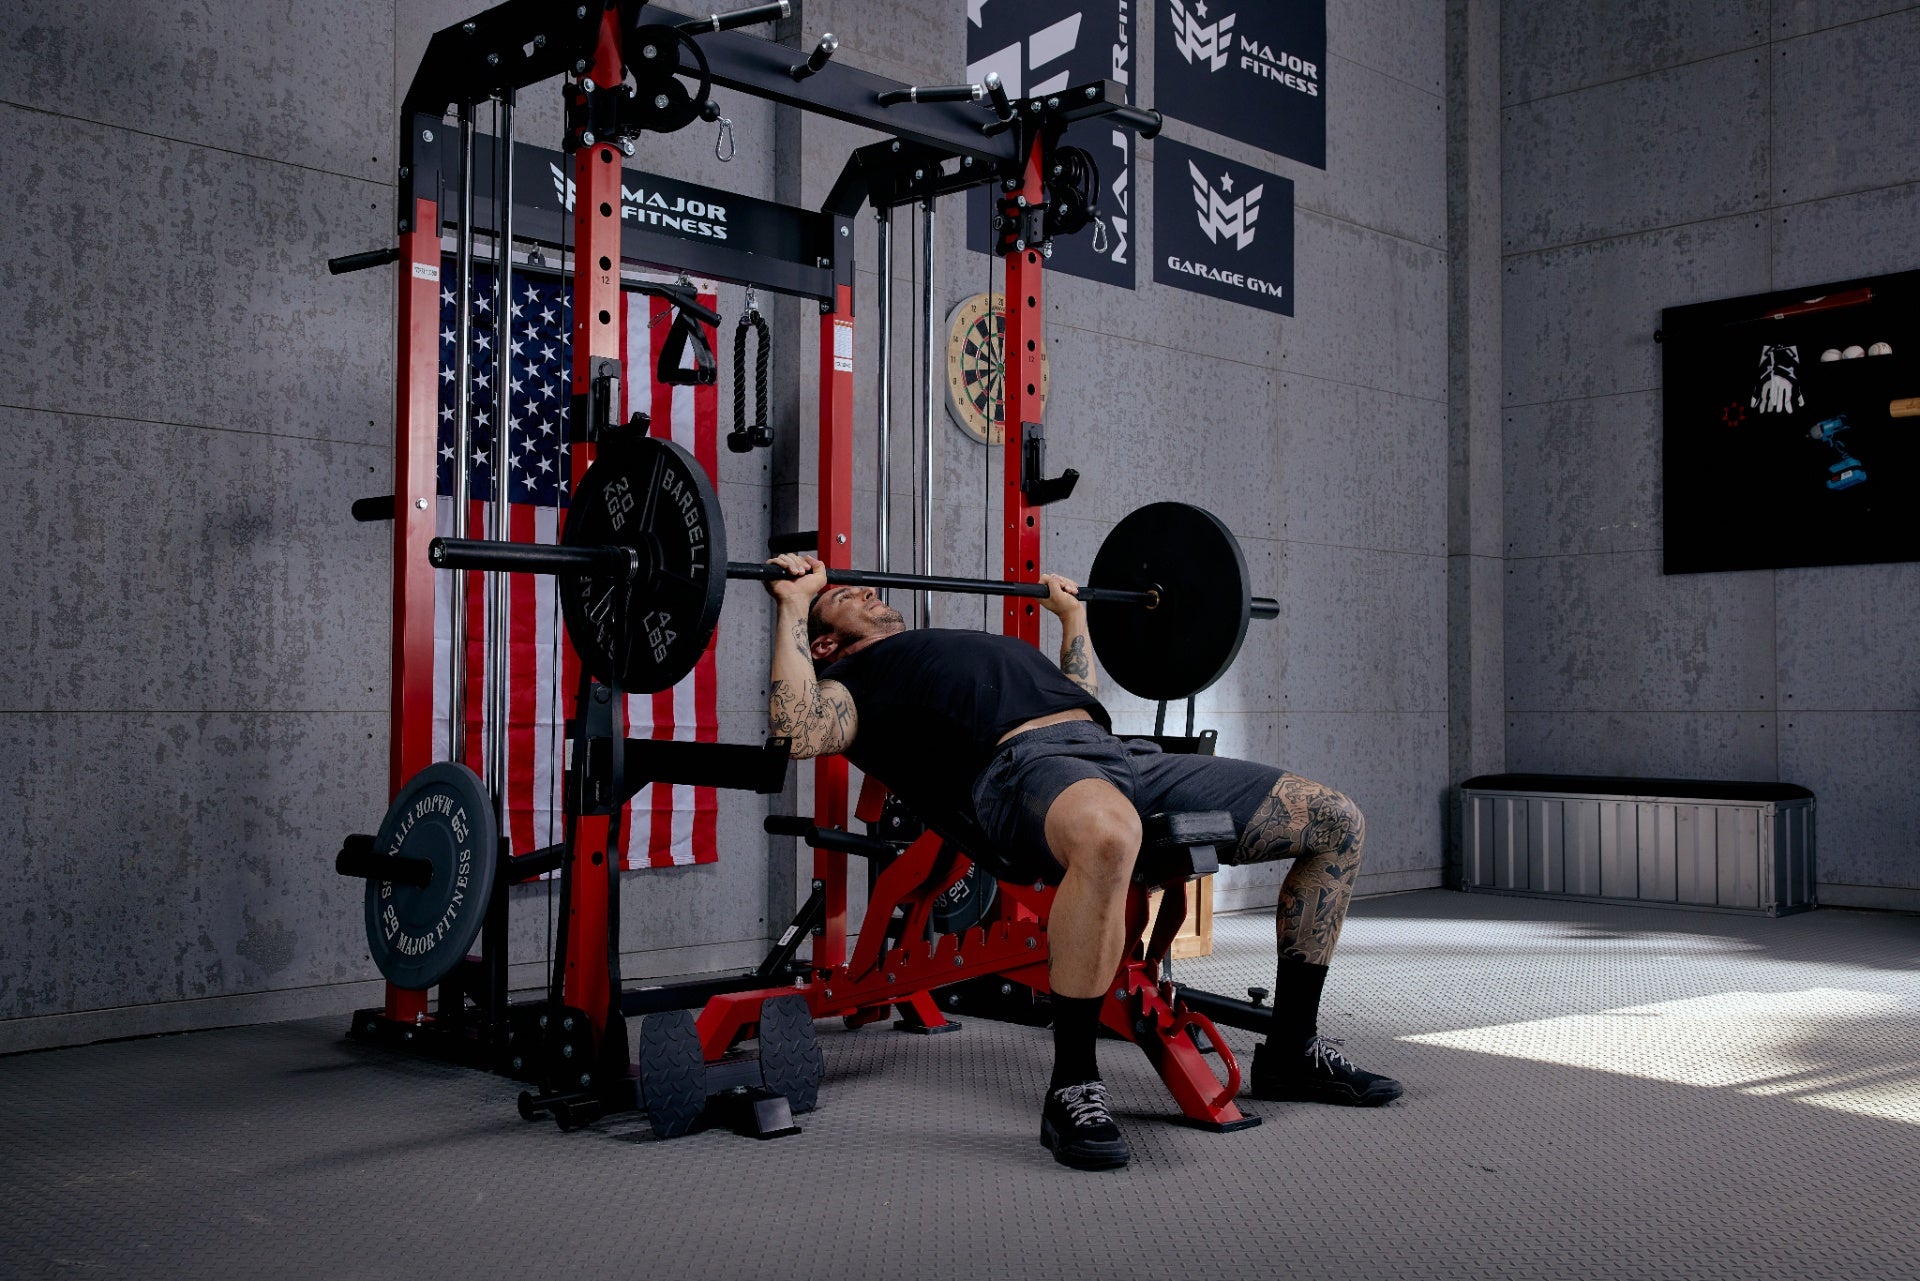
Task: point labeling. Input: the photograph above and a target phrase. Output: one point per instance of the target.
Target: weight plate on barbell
(419, 933)
(1188, 640)
(653, 496)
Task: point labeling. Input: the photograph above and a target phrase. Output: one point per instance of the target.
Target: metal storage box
(1740, 846)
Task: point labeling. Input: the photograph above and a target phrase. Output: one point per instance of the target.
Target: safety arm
(818, 716)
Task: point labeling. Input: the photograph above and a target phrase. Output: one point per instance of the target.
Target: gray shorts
(1020, 784)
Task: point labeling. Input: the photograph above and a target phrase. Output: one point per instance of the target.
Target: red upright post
(1025, 324)
(836, 549)
(596, 334)
(410, 735)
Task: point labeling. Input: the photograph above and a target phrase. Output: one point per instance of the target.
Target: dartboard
(976, 366)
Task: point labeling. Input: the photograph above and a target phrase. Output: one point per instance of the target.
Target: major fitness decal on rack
(1222, 228)
(543, 192)
(1254, 71)
(1038, 47)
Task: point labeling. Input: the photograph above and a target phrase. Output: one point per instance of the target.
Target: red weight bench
(900, 973)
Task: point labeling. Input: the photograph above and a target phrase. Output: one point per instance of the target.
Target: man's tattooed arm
(1076, 659)
(818, 716)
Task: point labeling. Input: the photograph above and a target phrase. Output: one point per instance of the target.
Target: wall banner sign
(1222, 228)
(1251, 70)
(1042, 46)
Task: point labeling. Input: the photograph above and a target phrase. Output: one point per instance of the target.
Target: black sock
(1076, 1024)
(1296, 1002)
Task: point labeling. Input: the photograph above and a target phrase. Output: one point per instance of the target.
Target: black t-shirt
(933, 703)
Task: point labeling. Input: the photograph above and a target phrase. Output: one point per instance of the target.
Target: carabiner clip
(724, 139)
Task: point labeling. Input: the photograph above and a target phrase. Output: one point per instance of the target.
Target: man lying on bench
(970, 723)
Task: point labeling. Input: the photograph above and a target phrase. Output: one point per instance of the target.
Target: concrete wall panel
(180, 569)
(1680, 744)
(173, 856)
(202, 297)
(1358, 467)
(1627, 156)
(1611, 633)
(1366, 630)
(1835, 626)
(1799, 17)
(1827, 143)
(1861, 767)
(1367, 757)
(1868, 233)
(1553, 48)
(1178, 427)
(1367, 296)
(1579, 321)
(1374, 34)
(215, 74)
(1386, 158)
(1584, 476)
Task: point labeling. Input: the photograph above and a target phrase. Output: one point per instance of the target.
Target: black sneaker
(1318, 1074)
(1078, 1129)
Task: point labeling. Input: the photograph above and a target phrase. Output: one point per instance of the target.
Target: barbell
(642, 572)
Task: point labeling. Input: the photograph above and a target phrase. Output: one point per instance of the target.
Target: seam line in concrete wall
(1438, 95)
(196, 145)
(1324, 216)
(1595, 395)
(1772, 207)
(1780, 206)
(1837, 26)
(1535, 251)
(383, 449)
(1640, 73)
(1612, 551)
(1703, 711)
(1341, 711)
(1440, 401)
(1350, 547)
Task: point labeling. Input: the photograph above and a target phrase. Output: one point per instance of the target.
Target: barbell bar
(543, 558)
(642, 571)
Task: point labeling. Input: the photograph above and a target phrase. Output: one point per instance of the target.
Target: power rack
(629, 70)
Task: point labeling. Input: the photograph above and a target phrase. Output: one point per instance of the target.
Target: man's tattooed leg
(1322, 832)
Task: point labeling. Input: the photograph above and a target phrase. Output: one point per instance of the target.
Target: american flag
(664, 825)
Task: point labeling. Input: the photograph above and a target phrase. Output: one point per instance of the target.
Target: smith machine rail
(630, 69)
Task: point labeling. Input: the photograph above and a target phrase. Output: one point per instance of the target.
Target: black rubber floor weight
(653, 496)
(1187, 641)
(790, 1060)
(673, 1072)
(418, 934)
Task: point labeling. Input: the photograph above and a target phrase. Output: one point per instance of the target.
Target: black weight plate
(791, 1064)
(1189, 640)
(418, 934)
(651, 495)
(965, 903)
(673, 1072)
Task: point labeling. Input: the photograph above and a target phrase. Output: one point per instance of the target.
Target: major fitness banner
(1254, 71)
(1040, 47)
(1222, 228)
